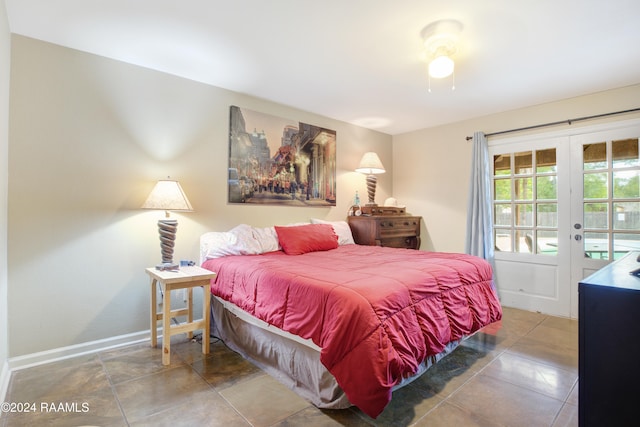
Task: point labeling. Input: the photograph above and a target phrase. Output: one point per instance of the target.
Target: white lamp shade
(167, 195)
(440, 67)
(370, 164)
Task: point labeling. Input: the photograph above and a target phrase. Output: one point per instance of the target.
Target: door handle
(577, 226)
(578, 237)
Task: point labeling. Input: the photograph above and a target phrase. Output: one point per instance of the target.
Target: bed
(342, 324)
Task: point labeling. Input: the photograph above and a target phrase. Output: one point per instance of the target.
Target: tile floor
(521, 372)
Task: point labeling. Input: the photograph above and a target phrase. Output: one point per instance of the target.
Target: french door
(605, 200)
(564, 206)
(531, 216)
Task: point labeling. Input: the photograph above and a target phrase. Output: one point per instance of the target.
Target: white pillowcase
(237, 241)
(216, 244)
(267, 239)
(341, 228)
(246, 243)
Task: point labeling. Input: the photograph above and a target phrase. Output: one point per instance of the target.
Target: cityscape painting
(278, 161)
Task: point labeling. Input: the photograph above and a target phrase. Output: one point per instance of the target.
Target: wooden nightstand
(397, 231)
(185, 278)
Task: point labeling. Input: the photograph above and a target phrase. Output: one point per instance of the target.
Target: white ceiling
(359, 61)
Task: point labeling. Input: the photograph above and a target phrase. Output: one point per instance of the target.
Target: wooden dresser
(396, 231)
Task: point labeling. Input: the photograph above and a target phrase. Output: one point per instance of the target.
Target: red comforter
(376, 312)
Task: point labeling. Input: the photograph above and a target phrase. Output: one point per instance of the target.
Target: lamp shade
(370, 164)
(167, 195)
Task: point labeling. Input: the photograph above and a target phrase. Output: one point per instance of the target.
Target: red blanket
(376, 312)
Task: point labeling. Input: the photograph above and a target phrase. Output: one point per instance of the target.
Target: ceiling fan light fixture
(440, 40)
(442, 66)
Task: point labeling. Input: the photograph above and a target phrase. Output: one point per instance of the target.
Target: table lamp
(167, 195)
(371, 165)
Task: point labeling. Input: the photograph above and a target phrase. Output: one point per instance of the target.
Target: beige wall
(431, 166)
(89, 138)
(5, 49)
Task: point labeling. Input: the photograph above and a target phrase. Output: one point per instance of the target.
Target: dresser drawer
(407, 242)
(398, 227)
(397, 231)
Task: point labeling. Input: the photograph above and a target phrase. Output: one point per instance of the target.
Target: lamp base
(167, 229)
(168, 266)
(372, 181)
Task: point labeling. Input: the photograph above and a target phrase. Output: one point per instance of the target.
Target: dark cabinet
(609, 341)
(397, 231)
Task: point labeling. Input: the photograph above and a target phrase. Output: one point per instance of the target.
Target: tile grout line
(113, 389)
(211, 385)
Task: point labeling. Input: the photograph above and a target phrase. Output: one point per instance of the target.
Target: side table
(184, 278)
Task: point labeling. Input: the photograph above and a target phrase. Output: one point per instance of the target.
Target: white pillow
(341, 228)
(237, 241)
(216, 244)
(246, 243)
(267, 239)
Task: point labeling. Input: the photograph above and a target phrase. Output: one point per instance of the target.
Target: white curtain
(479, 239)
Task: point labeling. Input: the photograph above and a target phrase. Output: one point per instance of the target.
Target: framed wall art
(275, 161)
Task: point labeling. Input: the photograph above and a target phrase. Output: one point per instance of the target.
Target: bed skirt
(293, 363)
(289, 359)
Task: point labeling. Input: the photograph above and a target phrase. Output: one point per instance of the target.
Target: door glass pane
(525, 186)
(626, 216)
(524, 241)
(502, 189)
(595, 185)
(596, 215)
(502, 164)
(547, 215)
(546, 161)
(524, 163)
(595, 156)
(547, 187)
(502, 239)
(524, 214)
(612, 196)
(547, 243)
(502, 214)
(625, 153)
(625, 184)
(623, 243)
(524, 189)
(596, 245)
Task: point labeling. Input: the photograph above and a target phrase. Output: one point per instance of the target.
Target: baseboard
(5, 376)
(48, 356)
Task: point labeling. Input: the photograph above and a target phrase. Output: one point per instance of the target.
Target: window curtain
(479, 240)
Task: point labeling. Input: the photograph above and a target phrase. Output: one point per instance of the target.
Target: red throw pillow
(301, 239)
